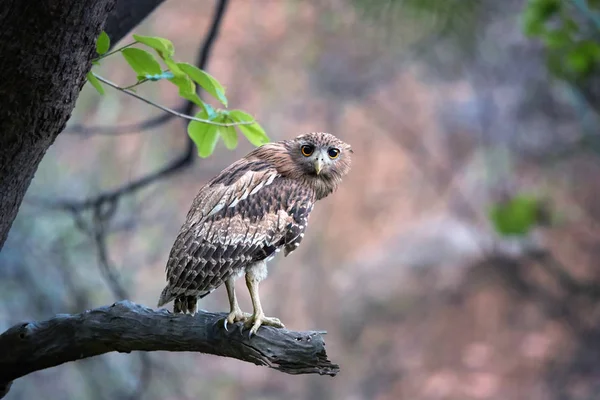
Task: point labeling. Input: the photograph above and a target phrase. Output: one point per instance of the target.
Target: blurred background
(463, 115)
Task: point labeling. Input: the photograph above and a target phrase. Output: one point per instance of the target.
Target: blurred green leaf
(95, 82)
(557, 39)
(536, 14)
(204, 135)
(545, 9)
(594, 4)
(102, 43)
(142, 62)
(163, 46)
(579, 62)
(531, 24)
(570, 25)
(253, 132)
(517, 216)
(590, 48)
(207, 81)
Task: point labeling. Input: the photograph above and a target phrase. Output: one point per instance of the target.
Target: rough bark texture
(46, 47)
(126, 327)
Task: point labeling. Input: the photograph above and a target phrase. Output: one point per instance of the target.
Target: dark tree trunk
(45, 52)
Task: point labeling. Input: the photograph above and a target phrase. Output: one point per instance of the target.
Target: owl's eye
(333, 153)
(307, 150)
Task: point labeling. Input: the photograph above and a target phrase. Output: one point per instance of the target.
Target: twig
(111, 196)
(125, 129)
(125, 327)
(100, 220)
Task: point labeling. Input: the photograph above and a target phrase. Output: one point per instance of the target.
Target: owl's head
(317, 159)
(320, 155)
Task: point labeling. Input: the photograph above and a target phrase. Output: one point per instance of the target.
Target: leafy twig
(167, 109)
(183, 160)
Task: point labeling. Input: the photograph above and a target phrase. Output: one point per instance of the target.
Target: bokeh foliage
(570, 31)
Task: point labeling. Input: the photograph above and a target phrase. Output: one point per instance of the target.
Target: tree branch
(125, 327)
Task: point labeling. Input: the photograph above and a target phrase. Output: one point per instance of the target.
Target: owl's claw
(256, 321)
(235, 316)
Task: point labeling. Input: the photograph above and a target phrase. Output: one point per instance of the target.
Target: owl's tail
(165, 297)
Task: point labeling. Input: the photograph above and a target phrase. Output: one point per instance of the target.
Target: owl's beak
(318, 166)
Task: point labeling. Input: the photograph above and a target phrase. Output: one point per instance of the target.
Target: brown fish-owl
(245, 215)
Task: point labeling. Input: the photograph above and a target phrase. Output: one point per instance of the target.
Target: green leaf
(515, 217)
(142, 62)
(204, 135)
(163, 46)
(173, 67)
(253, 132)
(187, 89)
(95, 82)
(228, 133)
(102, 43)
(207, 81)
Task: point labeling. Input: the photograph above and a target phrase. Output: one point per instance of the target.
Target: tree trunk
(45, 51)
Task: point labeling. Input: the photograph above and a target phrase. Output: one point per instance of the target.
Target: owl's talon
(238, 316)
(257, 321)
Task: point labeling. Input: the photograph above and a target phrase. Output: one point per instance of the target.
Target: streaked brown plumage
(246, 214)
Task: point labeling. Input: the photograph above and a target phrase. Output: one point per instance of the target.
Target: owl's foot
(236, 316)
(257, 320)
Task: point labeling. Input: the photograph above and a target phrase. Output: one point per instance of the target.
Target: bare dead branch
(125, 327)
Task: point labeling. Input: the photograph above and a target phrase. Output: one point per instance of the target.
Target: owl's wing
(242, 216)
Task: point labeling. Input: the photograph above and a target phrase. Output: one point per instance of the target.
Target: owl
(244, 216)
